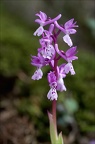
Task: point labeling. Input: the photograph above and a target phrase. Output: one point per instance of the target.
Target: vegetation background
(23, 102)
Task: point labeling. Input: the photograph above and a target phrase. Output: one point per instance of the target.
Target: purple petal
(43, 16)
(71, 31)
(38, 15)
(37, 61)
(51, 77)
(36, 64)
(72, 58)
(69, 23)
(71, 52)
(74, 24)
(38, 21)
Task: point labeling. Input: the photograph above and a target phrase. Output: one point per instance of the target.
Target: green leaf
(53, 132)
(55, 139)
(60, 139)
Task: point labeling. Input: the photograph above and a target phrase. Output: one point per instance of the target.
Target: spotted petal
(52, 94)
(37, 74)
(69, 68)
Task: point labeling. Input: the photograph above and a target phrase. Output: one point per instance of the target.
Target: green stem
(54, 115)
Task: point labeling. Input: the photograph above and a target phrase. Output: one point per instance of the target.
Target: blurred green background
(23, 102)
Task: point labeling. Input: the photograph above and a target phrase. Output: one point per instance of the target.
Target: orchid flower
(49, 54)
(67, 29)
(43, 20)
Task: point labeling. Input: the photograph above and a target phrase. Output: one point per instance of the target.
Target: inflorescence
(49, 52)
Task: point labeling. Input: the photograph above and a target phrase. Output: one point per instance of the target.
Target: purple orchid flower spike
(49, 54)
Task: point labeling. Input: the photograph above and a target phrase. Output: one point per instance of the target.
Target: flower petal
(60, 84)
(69, 68)
(71, 31)
(38, 21)
(71, 52)
(72, 58)
(39, 31)
(37, 74)
(52, 94)
(67, 40)
(43, 16)
(69, 23)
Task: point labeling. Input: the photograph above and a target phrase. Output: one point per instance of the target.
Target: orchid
(43, 20)
(70, 54)
(49, 54)
(67, 29)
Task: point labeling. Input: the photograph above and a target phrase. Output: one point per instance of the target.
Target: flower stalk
(54, 113)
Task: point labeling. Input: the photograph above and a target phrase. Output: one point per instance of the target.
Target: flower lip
(37, 74)
(52, 94)
(69, 68)
(39, 31)
(60, 84)
(67, 40)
